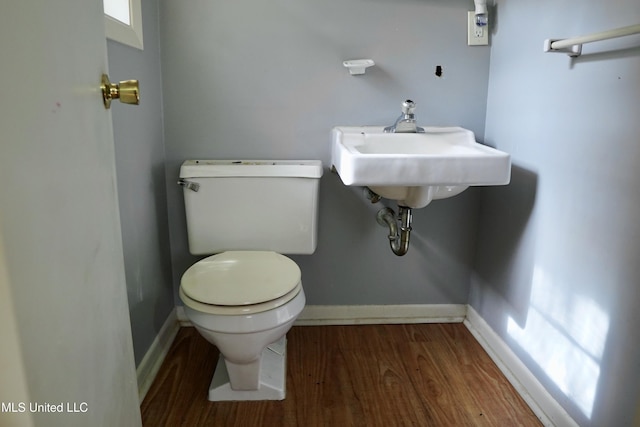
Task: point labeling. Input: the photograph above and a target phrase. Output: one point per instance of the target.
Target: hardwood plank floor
(361, 375)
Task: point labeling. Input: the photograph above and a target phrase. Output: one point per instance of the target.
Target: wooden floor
(364, 375)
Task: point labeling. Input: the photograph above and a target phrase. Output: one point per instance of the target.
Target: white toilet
(245, 298)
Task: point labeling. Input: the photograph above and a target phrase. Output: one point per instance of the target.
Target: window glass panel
(118, 9)
(123, 22)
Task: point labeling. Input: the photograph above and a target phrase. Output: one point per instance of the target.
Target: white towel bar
(573, 46)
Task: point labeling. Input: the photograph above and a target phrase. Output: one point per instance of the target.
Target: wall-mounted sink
(415, 168)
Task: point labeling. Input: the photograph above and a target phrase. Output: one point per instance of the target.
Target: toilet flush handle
(193, 186)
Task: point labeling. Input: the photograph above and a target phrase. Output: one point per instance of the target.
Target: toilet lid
(240, 278)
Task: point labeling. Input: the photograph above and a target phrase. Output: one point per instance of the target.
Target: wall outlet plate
(476, 36)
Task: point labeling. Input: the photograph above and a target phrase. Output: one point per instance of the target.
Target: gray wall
(139, 148)
(558, 271)
(256, 79)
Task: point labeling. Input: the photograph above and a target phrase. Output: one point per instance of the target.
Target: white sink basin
(415, 168)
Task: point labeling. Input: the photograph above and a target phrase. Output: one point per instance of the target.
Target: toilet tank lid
(251, 168)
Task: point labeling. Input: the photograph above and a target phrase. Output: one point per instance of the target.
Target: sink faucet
(406, 123)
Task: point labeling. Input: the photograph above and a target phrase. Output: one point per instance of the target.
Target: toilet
(245, 297)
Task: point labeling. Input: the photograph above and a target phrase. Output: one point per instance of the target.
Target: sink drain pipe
(399, 241)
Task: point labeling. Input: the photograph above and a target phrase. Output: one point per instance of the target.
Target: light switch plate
(476, 36)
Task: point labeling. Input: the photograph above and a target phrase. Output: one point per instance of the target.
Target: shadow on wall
(442, 235)
(506, 240)
(561, 333)
(354, 265)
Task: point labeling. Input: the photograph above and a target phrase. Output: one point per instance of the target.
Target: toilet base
(273, 381)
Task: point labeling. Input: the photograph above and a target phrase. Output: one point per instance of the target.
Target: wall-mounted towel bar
(573, 46)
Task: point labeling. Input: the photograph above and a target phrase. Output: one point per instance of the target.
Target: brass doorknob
(127, 91)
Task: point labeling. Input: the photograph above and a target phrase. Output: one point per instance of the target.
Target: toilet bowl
(246, 297)
(244, 302)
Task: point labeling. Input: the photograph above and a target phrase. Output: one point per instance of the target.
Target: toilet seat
(239, 310)
(240, 282)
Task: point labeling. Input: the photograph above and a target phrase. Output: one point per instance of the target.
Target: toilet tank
(251, 205)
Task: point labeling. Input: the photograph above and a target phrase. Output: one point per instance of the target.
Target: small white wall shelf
(358, 66)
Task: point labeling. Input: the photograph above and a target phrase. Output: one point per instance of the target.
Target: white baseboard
(314, 315)
(528, 387)
(150, 364)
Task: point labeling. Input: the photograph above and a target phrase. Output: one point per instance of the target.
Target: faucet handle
(408, 107)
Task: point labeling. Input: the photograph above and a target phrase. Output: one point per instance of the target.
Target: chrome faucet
(406, 123)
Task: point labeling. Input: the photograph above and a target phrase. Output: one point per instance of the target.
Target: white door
(66, 356)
